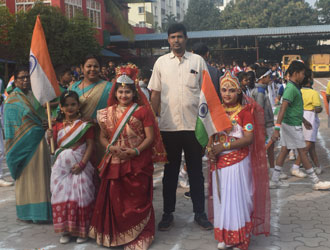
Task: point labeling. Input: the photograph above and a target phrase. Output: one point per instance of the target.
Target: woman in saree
(123, 213)
(93, 95)
(239, 174)
(27, 153)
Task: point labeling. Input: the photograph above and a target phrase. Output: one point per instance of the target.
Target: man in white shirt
(176, 83)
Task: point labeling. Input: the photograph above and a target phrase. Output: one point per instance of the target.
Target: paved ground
(300, 217)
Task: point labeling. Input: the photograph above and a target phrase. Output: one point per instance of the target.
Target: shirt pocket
(192, 79)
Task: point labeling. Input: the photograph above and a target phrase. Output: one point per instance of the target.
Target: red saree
(123, 212)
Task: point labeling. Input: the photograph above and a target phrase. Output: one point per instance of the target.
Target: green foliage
(324, 11)
(168, 21)
(7, 21)
(264, 13)
(202, 15)
(114, 8)
(68, 40)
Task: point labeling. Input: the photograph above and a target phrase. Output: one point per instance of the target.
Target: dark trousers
(174, 143)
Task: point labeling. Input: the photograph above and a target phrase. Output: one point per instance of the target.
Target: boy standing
(289, 122)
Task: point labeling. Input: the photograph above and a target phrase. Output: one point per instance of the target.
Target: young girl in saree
(239, 174)
(123, 213)
(72, 174)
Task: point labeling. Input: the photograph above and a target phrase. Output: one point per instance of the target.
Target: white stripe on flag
(40, 84)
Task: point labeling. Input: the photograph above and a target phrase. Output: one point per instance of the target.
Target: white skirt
(312, 117)
(232, 218)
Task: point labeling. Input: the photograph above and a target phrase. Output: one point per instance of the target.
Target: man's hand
(276, 135)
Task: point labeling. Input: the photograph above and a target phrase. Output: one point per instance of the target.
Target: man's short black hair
(261, 71)
(200, 49)
(177, 27)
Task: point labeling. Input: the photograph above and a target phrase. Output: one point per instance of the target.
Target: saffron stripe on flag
(43, 78)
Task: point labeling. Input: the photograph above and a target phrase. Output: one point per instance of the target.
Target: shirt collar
(185, 55)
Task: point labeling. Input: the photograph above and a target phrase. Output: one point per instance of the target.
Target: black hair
(177, 27)
(308, 77)
(241, 75)
(145, 73)
(200, 49)
(260, 71)
(252, 79)
(296, 66)
(19, 69)
(131, 86)
(97, 58)
(61, 70)
(254, 66)
(63, 97)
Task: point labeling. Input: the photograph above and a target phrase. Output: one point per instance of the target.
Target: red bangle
(82, 165)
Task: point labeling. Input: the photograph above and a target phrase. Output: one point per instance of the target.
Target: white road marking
(320, 83)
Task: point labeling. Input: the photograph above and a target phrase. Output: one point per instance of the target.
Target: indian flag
(212, 117)
(43, 78)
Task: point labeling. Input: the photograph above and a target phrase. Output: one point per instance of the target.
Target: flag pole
(52, 145)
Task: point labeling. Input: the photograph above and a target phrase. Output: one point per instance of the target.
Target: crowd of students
(107, 138)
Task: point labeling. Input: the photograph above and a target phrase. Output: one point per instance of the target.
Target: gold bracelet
(208, 149)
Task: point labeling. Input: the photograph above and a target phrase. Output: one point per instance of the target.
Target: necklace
(232, 112)
(83, 92)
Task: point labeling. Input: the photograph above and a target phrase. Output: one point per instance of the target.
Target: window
(72, 7)
(141, 10)
(94, 12)
(25, 5)
(163, 11)
(2, 2)
(142, 24)
(177, 3)
(178, 16)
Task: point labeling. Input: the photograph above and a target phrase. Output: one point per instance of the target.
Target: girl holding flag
(72, 174)
(123, 213)
(239, 175)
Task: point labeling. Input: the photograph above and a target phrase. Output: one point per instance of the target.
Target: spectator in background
(111, 70)
(202, 50)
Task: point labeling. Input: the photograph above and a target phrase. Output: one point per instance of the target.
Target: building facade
(94, 9)
(152, 14)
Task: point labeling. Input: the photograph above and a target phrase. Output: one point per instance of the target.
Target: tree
(7, 21)
(263, 13)
(202, 15)
(323, 7)
(69, 41)
(168, 21)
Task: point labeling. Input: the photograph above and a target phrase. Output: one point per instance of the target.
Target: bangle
(278, 125)
(226, 145)
(208, 149)
(82, 165)
(277, 128)
(136, 151)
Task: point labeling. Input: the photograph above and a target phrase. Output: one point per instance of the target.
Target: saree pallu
(28, 156)
(123, 213)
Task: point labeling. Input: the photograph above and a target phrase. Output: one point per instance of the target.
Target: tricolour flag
(10, 86)
(43, 78)
(212, 117)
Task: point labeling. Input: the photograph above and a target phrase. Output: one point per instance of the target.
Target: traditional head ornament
(269, 72)
(228, 80)
(126, 74)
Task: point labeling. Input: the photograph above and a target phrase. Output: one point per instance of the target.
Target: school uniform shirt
(311, 99)
(294, 113)
(328, 89)
(179, 82)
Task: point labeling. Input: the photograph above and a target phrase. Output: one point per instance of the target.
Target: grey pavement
(300, 217)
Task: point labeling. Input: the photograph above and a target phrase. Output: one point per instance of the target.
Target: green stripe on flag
(200, 133)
